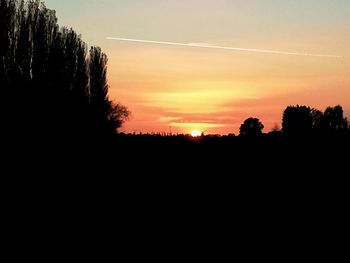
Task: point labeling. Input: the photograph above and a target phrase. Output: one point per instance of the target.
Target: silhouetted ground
(176, 199)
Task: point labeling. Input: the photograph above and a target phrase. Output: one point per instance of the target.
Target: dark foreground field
(153, 199)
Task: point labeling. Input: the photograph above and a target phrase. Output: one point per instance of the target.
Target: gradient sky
(216, 90)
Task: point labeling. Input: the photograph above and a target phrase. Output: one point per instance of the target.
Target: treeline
(304, 122)
(52, 87)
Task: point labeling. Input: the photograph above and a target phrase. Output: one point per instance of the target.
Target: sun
(196, 133)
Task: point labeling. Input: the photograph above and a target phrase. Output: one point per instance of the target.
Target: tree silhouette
(302, 120)
(7, 44)
(333, 121)
(99, 103)
(297, 121)
(106, 116)
(51, 87)
(251, 127)
(316, 116)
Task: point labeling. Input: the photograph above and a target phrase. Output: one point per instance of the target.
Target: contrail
(221, 47)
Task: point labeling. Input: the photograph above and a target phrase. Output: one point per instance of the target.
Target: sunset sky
(213, 90)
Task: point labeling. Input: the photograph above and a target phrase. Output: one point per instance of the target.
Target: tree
(117, 115)
(251, 127)
(7, 64)
(316, 116)
(106, 115)
(333, 121)
(297, 121)
(50, 87)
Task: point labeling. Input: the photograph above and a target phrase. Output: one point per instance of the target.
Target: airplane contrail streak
(221, 47)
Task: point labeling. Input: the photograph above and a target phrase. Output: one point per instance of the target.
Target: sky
(180, 89)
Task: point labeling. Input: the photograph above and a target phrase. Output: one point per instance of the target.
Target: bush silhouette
(251, 127)
(297, 121)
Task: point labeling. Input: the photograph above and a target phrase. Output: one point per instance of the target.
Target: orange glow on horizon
(196, 133)
(182, 90)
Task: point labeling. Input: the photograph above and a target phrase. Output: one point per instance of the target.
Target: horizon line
(200, 45)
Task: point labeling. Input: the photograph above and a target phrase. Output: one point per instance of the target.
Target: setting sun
(196, 133)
